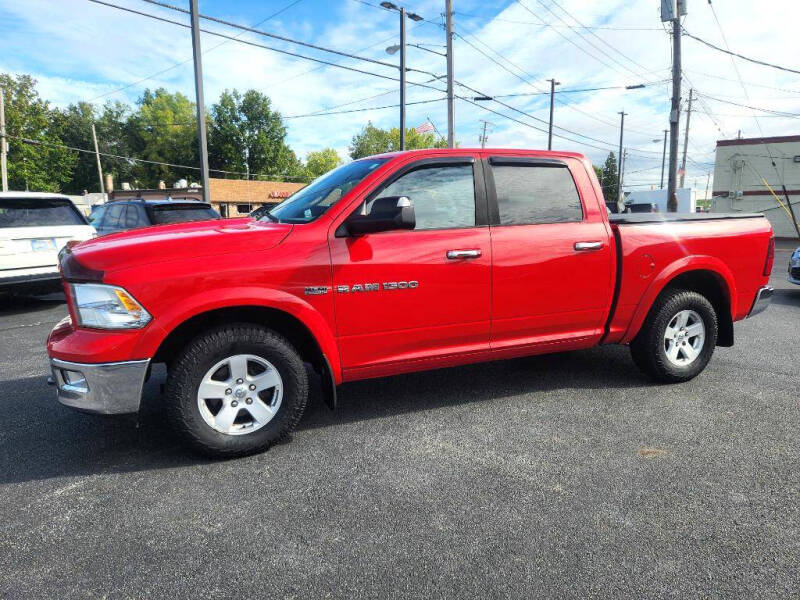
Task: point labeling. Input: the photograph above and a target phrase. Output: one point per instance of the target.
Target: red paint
(529, 292)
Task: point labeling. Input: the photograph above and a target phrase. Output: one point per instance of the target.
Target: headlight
(107, 307)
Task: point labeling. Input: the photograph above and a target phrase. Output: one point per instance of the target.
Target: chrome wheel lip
(684, 338)
(240, 393)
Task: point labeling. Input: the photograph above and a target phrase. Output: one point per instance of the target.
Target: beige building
(740, 170)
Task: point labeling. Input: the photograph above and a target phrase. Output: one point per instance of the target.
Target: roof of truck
(511, 151)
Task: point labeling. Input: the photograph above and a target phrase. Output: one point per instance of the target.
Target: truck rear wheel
(236, 390)
(677, 338)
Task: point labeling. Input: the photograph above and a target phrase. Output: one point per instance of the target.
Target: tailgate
(32, 247)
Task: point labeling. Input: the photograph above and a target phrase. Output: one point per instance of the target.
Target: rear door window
(40, 212)
(532, 193)
(134, 217)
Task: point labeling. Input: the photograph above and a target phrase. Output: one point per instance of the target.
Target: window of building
(443, 196)
(529, 194)
(243, 209)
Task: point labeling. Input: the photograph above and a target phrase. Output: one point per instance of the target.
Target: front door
(553, 276)
(406, 299)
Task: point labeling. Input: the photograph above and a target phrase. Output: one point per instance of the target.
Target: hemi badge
(317, 290)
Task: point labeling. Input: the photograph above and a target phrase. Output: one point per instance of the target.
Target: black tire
(648, 348)
(206, 350)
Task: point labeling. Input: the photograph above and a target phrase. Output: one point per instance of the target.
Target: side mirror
(386, 214)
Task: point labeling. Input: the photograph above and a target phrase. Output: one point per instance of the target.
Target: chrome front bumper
(103, 388)
(763, 298)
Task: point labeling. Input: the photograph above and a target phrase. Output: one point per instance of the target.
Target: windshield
(318, 196)
(165, 213)
(41, 212)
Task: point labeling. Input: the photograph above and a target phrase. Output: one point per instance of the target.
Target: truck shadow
(16, 305)
(787, 297)
(40, 439)
(595, 369)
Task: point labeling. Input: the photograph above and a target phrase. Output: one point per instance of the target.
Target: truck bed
(641, 218)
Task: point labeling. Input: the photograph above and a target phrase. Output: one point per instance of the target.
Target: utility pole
(99, 166)
(686, 137)
(664, 157)
(675, 109)
(402, 78)
(3, 143)
(622, 171)
(483, 137)
(201, 110)
(451, 123)
(619, 157)
(553, 84)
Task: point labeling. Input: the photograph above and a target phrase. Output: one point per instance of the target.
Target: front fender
(679, 267)
(202, 302)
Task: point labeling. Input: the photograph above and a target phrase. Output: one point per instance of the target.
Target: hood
(165, 242)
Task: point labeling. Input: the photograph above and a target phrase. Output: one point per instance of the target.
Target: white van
(33, 228)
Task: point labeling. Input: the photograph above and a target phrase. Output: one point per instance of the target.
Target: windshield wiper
(271, 217)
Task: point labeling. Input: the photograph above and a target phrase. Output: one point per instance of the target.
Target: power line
(276, 36)
(272, 49)
(188, 60)
(752, 60)
(494, 98)
(750, 83)
(142, 160)
(593, 34)
(777, 113)
(551, 25)
(366, 109)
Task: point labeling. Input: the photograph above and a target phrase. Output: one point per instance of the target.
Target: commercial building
(744, 175)
(230, 197)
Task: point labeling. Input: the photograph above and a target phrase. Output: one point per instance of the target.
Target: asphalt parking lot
(559, 476)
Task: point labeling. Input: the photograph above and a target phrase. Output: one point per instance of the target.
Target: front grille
(795, 272)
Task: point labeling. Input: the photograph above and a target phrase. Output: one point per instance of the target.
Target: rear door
(406, 298)
(552, 274)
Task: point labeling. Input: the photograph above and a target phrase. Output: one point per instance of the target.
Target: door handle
(456, 254)
(584, 246)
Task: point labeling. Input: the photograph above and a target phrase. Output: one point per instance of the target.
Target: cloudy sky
(80, 50)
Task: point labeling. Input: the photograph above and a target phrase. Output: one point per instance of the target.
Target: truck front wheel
(236, 390)
(677, 338)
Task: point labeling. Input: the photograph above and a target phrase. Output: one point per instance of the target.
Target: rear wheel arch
(712, 286)
(707, 276)
(285, 324)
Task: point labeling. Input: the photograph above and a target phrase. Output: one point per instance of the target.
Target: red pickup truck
(389, 264)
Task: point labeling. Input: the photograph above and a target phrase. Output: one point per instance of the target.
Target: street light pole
(451, 126)
(553, 84)
(97, 157)
(675, 110)
(201, 110)
(402, 78)
(664, 157)
(619, 158)
(3, 144)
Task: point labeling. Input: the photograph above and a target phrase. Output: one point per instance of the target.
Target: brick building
(229, 197)
(237, 197)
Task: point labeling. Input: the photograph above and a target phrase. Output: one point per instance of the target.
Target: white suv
(33, 228)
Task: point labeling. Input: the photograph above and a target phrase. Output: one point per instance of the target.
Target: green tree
(320, 162)
(374, 140)
(40, 164)
(163, 130)
(609, 179)
(247, 136)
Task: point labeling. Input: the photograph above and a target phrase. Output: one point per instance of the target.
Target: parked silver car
(794, 267)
